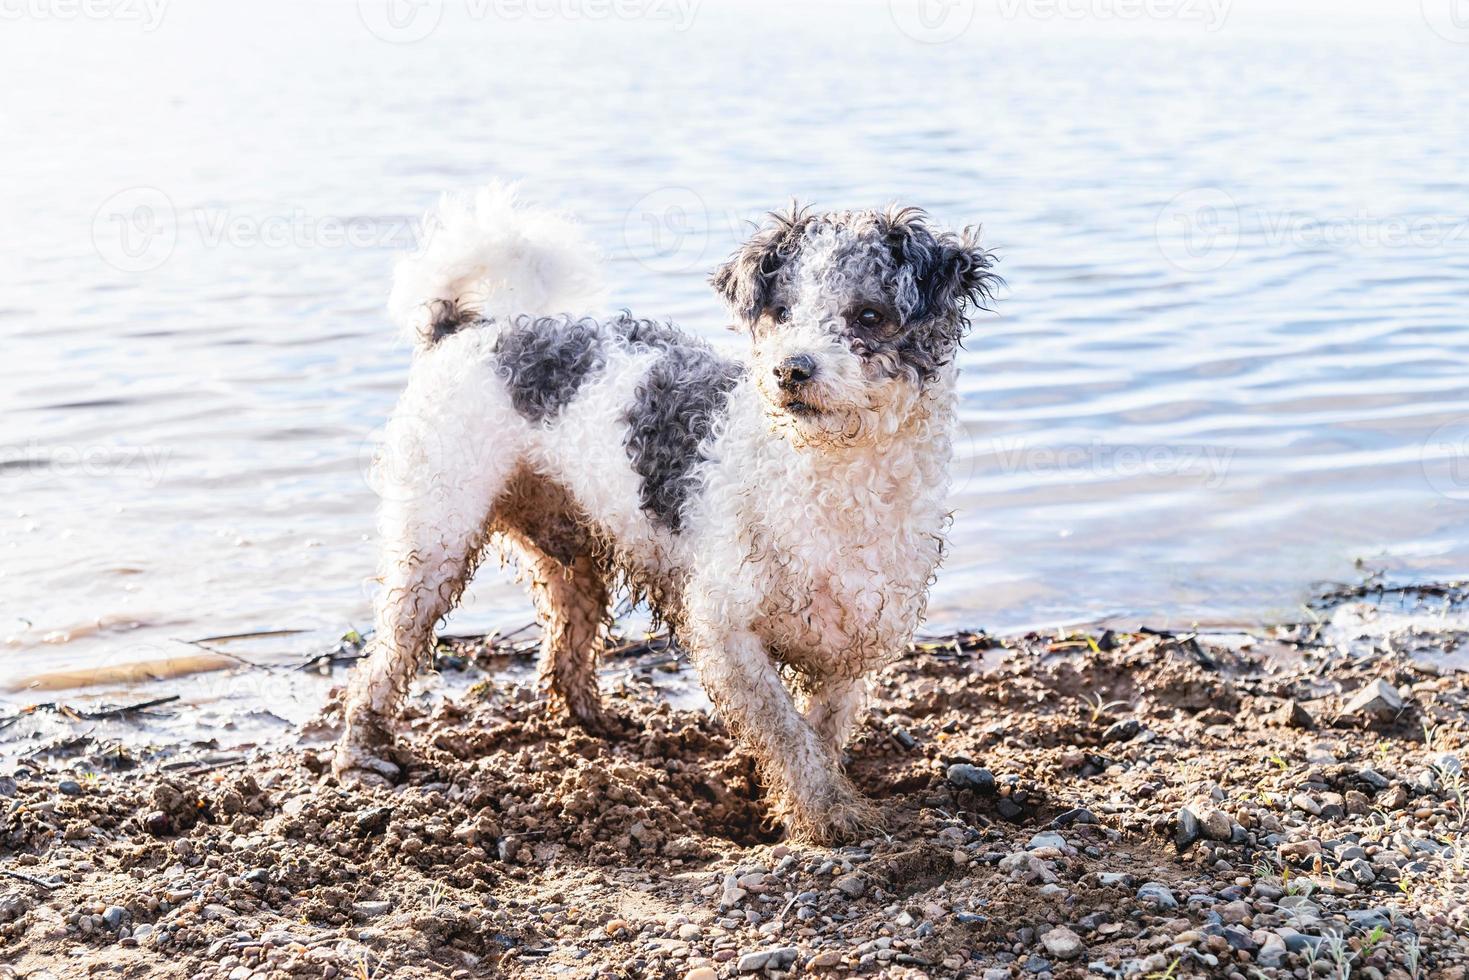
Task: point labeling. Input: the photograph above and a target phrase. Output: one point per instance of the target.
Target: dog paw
(604, 724)
(360, 758)
(844, 815)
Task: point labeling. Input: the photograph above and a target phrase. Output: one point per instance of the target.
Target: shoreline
(1102, 803)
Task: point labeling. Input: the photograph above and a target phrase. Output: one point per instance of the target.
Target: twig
(18, 876)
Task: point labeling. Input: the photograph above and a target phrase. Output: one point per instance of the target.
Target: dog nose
(796, 370)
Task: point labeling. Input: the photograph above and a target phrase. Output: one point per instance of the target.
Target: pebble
(1047, 839)
(374, 820)
(70, 787)
(1378, 700)
(1187, 829)
(1158, 894)
(702, 973)
(850, 885)
(761, 959)
(964, 776)
(371, 910)
(1122, 731)
(1062, 943)
(114, 917)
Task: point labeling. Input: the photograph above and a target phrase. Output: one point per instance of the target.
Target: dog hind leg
(439, 482)
(832, 709)
(572, 606)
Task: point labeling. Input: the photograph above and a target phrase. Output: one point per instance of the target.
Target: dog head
(853, 314)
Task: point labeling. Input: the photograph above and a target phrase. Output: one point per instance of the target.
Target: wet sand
(1109, 803)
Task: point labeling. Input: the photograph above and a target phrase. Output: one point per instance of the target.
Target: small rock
(761, 959)
(1187, 830)
(1449, 764)
(1293, 714)
(1009, 810)
(964, 776)
(1047, 839)
(70, 787)
(158, 823)
(1122, 731)
(702, 973)
(1158, 894)
(1358, 871)
(371, 910)
(1272, 953)
(257, 876)
(1074, 815)
(114, 916)
(1062, 943)
(1217, 825)
(1378, 700)
(850, 885)
(373, 820)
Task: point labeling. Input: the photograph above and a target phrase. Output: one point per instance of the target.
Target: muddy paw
(846, 815)
(360, 758)
(605, 724)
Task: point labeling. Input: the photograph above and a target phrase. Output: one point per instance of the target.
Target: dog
(784, 515)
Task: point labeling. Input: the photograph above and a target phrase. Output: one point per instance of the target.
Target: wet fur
(774, 534)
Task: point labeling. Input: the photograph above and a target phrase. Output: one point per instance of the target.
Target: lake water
(1231, 360)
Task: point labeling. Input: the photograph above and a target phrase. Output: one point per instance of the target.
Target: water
(1231, 359)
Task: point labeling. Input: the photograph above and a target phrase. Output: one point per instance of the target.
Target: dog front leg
(811, 796)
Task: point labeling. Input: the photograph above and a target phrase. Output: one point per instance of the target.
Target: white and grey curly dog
(785, 516)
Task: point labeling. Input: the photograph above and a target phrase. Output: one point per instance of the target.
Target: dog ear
(942, 274)
(745, 281)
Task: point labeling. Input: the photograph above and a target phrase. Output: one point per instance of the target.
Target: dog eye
(870, 318)
(782, 315)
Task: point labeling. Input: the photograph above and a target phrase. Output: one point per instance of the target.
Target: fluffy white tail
(487, 255)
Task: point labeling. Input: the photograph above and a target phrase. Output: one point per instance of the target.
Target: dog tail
(487, 255)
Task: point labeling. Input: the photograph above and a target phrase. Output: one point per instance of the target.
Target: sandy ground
(1090, 805)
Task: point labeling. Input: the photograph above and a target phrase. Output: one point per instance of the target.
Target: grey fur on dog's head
(924, 279)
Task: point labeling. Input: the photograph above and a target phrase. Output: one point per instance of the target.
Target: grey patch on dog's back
(545, 360)
(673, 411)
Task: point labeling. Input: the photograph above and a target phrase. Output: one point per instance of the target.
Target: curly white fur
(489, 256)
